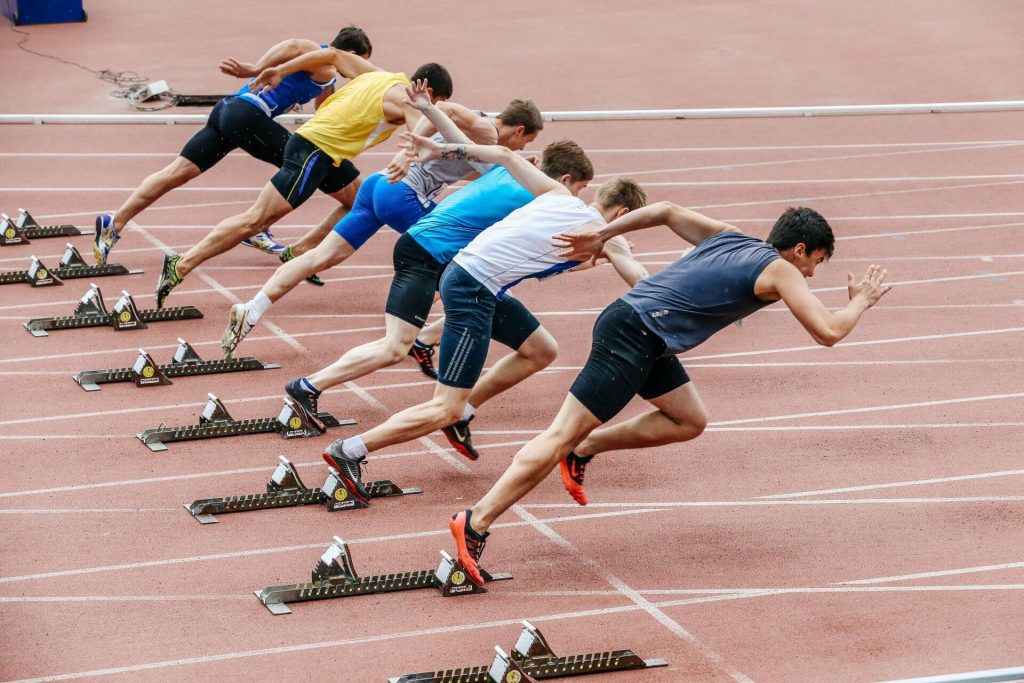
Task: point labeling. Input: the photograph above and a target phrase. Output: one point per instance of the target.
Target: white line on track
(121, 598)
(815, 502)
(856, 427)
(70, 511)
(935, 574)
(895, 484)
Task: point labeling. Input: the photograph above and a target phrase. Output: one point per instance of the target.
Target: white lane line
(120, 598)
(855, 427)
(784, 590)
(935, 574)
(669, 505)
(801, 181)
(928, 281)
(294, 548)
(72, 511)
(911, 361)
(633, 596)
(895, 484)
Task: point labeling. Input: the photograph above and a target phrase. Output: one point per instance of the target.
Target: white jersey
(519, 246)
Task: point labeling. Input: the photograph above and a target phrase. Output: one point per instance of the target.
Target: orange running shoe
(573, 466)
(470, 544)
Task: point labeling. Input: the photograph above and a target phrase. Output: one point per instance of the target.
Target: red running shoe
(470, 544)
(424, 357)
(573, 466)
(459, 437)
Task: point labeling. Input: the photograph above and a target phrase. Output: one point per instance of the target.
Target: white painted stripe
(120, 598)
(953, 278)
(783, 503)
(783, 590)
(935, 574)
(855, 427)
(896, 484)
(987, 676)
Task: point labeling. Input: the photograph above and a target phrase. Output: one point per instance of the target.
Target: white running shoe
(264, 241)
(238, 327)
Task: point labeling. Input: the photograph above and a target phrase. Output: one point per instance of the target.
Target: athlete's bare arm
(345, 63)
(278, 54)
(525, 173)
(618, 253)
(782, 280)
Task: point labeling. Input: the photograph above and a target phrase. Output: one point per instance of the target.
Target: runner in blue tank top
(243, 120)
(726, 278)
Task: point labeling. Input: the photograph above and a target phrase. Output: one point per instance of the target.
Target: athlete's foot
(265, 242)
(306, 401)
(104, 239)
(459, 437)
(572, 467)
(468, 543)
(423, 354)
(350, 469)
(238, 327)
(286, 254)
(169, 278)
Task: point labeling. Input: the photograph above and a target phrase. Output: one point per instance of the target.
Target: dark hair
(437, 77)
(802, 225)
(353, 39)
(563, 157)
(522, 113)
(621, 192)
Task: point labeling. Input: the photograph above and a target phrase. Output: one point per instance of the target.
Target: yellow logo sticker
(148, 371)
(513, 677)
(295, 422)
(458, 578)
(125, 316)
(41, 274)
(341, 493)
(10, 233)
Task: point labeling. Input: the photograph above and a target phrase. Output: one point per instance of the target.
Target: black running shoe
(461, 440)
(286, 255)
(468, 543)
(573, 468)
(350, 469)
(306, 402)
(169, 278)
(424, 357)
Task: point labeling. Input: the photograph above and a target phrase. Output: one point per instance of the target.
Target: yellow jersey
(352, 119)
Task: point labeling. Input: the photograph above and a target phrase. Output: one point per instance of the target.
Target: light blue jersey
(464, 215)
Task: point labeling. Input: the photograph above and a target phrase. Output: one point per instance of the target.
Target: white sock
(255, 309)
(354, 447)
(467, 412)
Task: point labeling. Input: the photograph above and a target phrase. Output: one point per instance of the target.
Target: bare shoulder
(775, 277)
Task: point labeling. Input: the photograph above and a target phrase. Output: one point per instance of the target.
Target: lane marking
(769, 503)
(932, 575)
(68, 511)
(896, 484)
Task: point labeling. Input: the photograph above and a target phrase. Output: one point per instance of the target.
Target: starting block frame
(92, 312)
(24, 228)
(532, 659)
(285, 489)
(334, 576)
(72, 266)
(216, 422)
(185, 363)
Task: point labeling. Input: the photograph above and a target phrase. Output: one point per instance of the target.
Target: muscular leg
(269, 207)
(346, 197)
(534, 462)
(431, 334)
(536, 353)
(364, 359)
(680, 416)
(156, 185)
(333, 250)
(420, 420)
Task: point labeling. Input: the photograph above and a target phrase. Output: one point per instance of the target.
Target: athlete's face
(805, 262)
(516, 139)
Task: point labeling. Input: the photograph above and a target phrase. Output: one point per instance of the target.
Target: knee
(542, 351)
(691, 425)
(395, 350)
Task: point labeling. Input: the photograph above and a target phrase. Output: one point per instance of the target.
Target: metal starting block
(72, 266)
(335, 577)
(215, 422)
(25, 228)
(186, 363)
(285, 489)
(533, 660)
(92, 312)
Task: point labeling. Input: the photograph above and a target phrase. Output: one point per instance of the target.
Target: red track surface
(901, 555)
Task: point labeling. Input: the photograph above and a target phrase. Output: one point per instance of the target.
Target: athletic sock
(308, 387)
(354, 447)
(467, 412)
(255, 309)
(420, 345)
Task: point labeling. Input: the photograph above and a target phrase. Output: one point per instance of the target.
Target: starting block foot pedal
(31, 229)
(334, 576)
(338, 495)
(91, 312)
(37, 275)
(11, 234)
(72, 265)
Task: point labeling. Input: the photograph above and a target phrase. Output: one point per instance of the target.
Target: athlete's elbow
(827, 337)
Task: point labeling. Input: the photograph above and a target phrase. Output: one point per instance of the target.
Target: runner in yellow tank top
(360, 115)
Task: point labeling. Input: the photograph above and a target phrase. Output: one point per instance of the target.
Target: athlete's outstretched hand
(579, 246)
(233, 67)
(417, 96)
(399, 166)
(266, 79)
(420, 148)
(871, 288)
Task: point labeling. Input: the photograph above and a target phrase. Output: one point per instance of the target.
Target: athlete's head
(619, 196)
(803, 237)
(439, 81)
(566, 162)
(353, 39)
(519, 124)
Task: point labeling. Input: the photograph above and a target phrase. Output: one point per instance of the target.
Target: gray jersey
(704, 291)
(429, 180)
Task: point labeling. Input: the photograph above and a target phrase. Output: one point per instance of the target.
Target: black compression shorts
(234, 123)
(306, 168)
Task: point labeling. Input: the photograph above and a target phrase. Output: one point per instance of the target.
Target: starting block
(92, 312)
(334, 576)
(533, 660)
(215, 422)
(285, 489)
(25, 228)
(185, 363)
(72, 266)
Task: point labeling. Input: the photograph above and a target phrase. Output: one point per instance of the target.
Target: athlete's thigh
(397, 205)
(683, 404)
(304, 168)
(255, 132)
(361, 222)
(513, 323)
(209, 145)
(468, 313)
(414, 284)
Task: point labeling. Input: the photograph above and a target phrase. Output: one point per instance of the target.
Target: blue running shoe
(265, 242)
(106, 237)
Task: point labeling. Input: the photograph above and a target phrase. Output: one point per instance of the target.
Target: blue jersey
(464, 215)
(296, 88)
(704, 291)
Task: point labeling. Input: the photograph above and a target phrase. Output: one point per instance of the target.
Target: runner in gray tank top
(725, 278)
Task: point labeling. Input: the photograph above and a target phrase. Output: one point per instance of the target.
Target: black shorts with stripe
(307, 168)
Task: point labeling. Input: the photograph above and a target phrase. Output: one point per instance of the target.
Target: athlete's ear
(800, 249)
(623, 210)
(566, 179)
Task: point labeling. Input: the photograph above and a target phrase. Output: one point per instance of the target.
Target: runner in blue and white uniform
(243, 120)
